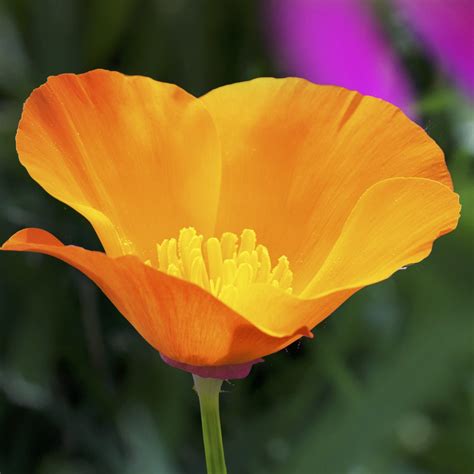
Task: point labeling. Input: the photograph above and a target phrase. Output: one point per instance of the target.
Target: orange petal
(393, 224)
(297, 157)
(138, 158)
(177, 318)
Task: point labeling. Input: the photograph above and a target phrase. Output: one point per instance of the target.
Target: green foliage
(385, 387)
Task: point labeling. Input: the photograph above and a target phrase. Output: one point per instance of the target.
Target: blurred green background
(385, 387)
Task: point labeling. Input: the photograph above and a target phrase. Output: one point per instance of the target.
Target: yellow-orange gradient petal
(393, 224)
(297, 157)
(177, 318)
(138, 158)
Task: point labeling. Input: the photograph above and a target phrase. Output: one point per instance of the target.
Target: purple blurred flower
(340, 42)
(446, 28)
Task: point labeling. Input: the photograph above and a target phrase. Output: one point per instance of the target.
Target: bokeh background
(387, 384)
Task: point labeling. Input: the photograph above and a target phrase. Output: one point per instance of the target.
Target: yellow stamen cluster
(223, 267)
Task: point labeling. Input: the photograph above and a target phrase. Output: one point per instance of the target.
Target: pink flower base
(223, 372)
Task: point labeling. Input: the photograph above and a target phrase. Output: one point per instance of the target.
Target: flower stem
(208, 392)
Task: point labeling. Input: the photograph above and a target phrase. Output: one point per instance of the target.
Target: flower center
(224, 267)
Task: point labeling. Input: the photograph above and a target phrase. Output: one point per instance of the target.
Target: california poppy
(232, 223)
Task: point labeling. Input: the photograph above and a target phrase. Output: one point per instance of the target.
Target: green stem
(208, 392)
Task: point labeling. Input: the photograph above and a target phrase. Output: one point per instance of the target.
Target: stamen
(247, 241)
(224, 267)
(228, 245)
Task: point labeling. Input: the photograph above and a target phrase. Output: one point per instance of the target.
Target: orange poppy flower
(232, 223)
